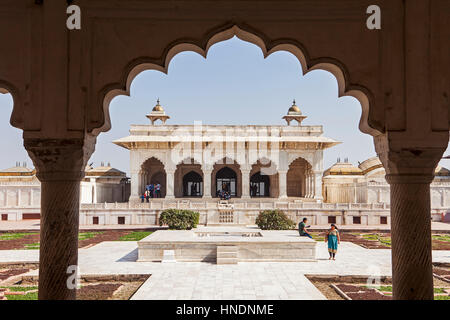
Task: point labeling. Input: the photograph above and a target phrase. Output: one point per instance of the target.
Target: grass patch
(441, 237)
(439, 290)
(382, 288)
(385, 241)
(88, 235)
(317, 237)
(28, 296)
(14, 236)
(441, 297)
(31, 246)
(21, 289)
(135, 236)
(372, 237)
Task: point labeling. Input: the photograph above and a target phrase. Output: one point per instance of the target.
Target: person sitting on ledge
(302, 228)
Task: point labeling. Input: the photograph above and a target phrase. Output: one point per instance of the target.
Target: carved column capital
(410, 160)
(60, 159)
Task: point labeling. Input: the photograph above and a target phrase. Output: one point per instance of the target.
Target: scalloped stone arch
(15, 119)
(331, 65)
(191, 160)
(295, 158)
(155, 158)
(275, 162)
(215, 160)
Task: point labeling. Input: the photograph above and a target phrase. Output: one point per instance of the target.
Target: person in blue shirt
(151, 189)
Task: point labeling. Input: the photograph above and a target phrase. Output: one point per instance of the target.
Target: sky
(235, 85)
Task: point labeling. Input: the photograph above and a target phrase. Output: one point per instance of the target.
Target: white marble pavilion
(250, 161)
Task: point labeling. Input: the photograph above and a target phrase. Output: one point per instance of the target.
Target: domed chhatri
(158, 113)
(158, 107)
(295, 114)
(294, 109)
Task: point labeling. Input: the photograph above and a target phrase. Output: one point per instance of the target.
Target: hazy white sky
(234, 85)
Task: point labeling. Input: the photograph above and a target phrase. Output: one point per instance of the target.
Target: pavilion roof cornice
(293, 143)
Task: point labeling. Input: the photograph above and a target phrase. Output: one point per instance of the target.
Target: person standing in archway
(158, 190)
(333, 239)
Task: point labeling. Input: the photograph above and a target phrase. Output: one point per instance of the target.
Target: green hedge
(179, 219)
(274, 220)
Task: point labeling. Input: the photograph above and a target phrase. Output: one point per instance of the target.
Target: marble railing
(160, 204)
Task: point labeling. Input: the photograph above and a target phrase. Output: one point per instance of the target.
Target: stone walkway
(247, 280)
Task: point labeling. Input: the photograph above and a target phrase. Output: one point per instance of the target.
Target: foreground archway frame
(63, 81)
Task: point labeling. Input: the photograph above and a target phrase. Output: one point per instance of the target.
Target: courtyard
(109, 270)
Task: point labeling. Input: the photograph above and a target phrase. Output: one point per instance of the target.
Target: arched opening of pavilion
(188, 179)
(259, 185)
(298, 179)
(264, 180)
(152, 172)
(192, 185)
(226, 176)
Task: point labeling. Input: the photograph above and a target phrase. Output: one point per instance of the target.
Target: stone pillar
(410, 170)
(317, 182)
(245, 183)
(207, 183)
(60, 167)
(411, 236)
(282, 175)
(170, 184)
(135, 188)
(19, 197)
(308, 185)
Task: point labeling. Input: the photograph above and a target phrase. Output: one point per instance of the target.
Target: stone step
(221, 249)
(227, 254)
(227, 260)
(168, 256)
(231, 255)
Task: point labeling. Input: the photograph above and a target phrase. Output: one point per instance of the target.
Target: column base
(134, 198)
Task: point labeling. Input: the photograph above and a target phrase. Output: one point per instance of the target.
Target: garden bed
(381, 240)
(30, 240)
(15, 285)
(357, 287)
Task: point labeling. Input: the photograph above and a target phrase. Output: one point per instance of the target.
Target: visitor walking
(333, 240)
(158, 190)
(302, 228)
(147, 195)
(151, 189)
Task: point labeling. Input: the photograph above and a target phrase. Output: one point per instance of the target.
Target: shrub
(179, 219)
(274, 220)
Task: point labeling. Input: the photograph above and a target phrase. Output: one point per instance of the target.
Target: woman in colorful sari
(333, 240)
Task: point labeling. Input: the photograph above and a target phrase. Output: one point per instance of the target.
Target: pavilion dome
(158, 107)
(343, 168)
(441, 171)
(294, 109)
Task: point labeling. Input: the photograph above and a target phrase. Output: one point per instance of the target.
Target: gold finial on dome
(294, 108)
(158, 107)
(294, 113)
(158, 113)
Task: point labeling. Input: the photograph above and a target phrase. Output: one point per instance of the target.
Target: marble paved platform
(251, 245)
(246, 280)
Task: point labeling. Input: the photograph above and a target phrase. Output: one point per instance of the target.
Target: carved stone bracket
(414, 160)
(60, 159)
